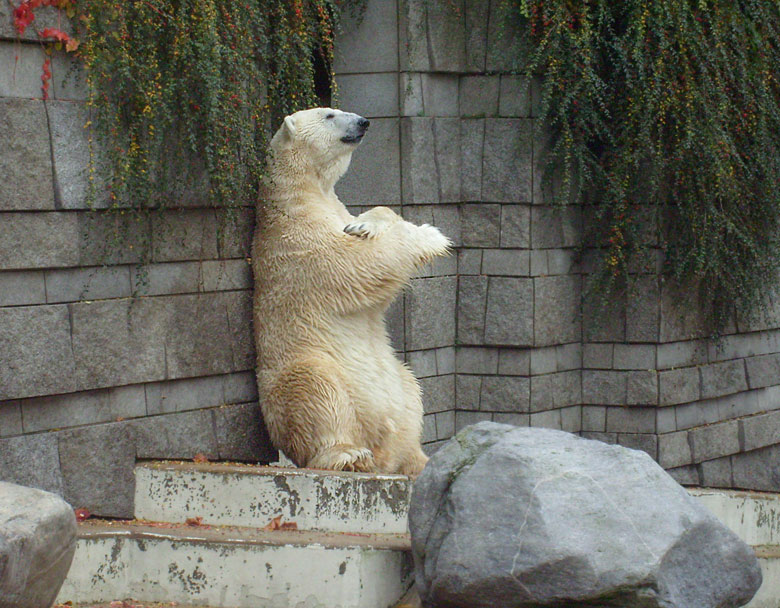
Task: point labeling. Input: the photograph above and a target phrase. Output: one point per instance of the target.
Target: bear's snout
(363, 124)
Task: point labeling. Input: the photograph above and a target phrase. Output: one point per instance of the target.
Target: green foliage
(666, 114)
(170, 81)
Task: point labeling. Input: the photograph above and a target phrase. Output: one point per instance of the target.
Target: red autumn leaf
(23, 16)
(71, 45)
(46, 78)
(288, 525)
(194, 521)
(200, 458)
(82, 514)
(277, 524)
(53, 32)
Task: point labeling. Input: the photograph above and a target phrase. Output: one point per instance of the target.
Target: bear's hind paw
(344, 457)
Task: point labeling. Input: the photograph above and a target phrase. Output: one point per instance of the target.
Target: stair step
(236, 567)
(251, 495)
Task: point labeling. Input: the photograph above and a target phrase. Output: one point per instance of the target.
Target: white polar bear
(333, 393)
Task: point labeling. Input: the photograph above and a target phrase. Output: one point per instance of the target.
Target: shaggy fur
(333, 394)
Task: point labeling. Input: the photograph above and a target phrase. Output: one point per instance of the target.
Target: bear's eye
(330, 116)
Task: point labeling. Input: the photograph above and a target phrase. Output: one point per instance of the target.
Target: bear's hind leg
(311, 419)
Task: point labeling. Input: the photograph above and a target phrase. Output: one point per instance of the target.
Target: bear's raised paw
(344, 457)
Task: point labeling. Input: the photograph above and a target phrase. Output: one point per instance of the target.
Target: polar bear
(332, 392)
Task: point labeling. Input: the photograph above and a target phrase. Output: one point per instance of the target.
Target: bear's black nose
(363, 123)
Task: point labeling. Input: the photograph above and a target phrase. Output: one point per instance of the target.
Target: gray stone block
(509, 316)
(446, 36)
(685, 476)
(604, 320)
(25, 163)
(722, 379)
(472, 137)
(716, 473)
(714, 441)
(475, 360)
(568, 356)
(22, 287)
(515, 226)
(681, 354)
(467, 390)
(481, 225)
(512, 418)
(634, 356)
(761, 371)
(695, 414)
(464, 419)
(120, 342)
(478, 96)
(631, 419)
(438, 393)
(680, 318)
(31, 460)
(646, 442)
(239, 315)
(413, 36)
(420, 183)
(666, 419)
(642, 388)
(503, 39)
(553, 227)
(604, 387)
(10, 419)
(445, 424)
(476, 23)
(184, 234)
(440, 94)
(594, 418)
(642, 317)
(550, 419)
(97, 468)
(597, 356)
(45, 16)
(505, 394)
(744, 345)
(410, 94)
(224, 275)
(240, 387)
(757, 470)
(561, 261)
(70, 150)
(506, 262)
(557, 317)
(422, 362)
(768, 399)
(179, 435)
(82, 408)
(37, 356)
(448, 162)
(514, 362)
(571, 419)
(21, 67)
(678, 385)
(374, 176)
(96, 283)
(742, 404)
(472, 299)
(760, 431)
(394, 321)
(368, 40)
(507, 153)
(469, 261)
(430, 311)
(241, 434)
(556, 390)
(68, 77)
(515, 96)
(445, 360)
(674, 450)
(370, 95)
(166, 278)
(447, 219)
(234, 232)
(183, 395)
(543, 360)
(111, 237)
(428, 429)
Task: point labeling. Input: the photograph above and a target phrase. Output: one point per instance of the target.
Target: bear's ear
(289, 126)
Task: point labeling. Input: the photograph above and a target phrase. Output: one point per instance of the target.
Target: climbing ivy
(664, 116)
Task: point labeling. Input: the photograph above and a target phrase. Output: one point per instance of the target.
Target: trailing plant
(170, 81)
(665, 111)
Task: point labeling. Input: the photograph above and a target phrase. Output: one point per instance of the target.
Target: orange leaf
(71, 45)
(194, 521)
(53, 32)
(274, 523)
(82, 514)
(200, 458)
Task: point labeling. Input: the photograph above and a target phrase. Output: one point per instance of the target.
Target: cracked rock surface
(37, 542)
(529, 517)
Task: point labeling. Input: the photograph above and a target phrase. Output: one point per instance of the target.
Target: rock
(37, 542)
(504, 516)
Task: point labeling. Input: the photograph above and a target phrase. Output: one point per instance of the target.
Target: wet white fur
(332, 391)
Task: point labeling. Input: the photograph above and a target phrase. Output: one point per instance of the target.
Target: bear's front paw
(366, 228)
(435, 240)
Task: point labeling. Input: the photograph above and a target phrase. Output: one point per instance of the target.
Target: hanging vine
(665, 117)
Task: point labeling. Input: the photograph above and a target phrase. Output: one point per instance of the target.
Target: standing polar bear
(333, 394)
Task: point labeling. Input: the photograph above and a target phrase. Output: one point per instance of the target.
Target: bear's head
(318, 141)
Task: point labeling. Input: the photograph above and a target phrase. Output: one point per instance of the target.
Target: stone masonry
(103, 362)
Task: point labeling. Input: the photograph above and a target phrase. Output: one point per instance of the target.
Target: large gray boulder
(37, 542)
(504, 516)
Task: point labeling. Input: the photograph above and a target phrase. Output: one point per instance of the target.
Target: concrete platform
(232, 567)
(247, 495)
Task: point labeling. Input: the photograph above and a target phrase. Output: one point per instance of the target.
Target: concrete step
(250, 495)
(755, 518)
(234, 567)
